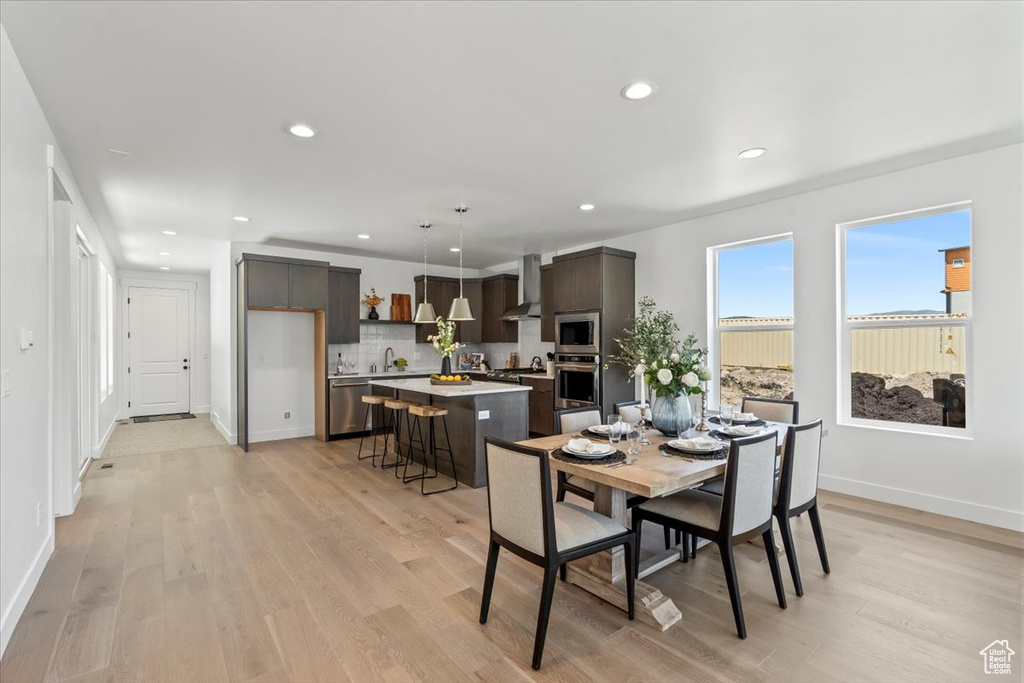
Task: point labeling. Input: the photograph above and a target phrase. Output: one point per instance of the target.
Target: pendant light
(460, 309)
(425, 311)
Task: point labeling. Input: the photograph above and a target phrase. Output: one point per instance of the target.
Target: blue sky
(890, 267)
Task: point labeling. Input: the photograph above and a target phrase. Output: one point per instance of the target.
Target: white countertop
(423, 386)
(393, 373)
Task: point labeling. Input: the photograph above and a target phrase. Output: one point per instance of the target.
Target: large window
(752, 340)
(905, 299)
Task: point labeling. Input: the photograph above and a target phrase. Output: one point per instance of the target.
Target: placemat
(587, 435)
(617, 456)
(756, 423)
(720, 454)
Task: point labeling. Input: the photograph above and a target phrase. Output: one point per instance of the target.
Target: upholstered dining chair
(743, 512)
(798, 492)
(629, 411)
(525, 521)
(572, 421)
(772, 409)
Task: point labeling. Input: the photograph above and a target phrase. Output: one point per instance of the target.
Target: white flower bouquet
(444, 341)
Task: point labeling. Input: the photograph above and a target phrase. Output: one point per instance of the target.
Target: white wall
(282, 371)
(222, 340)
(25, 460)
(199, 365)
(980, 479)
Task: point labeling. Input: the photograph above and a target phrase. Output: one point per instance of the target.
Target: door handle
(185, 367)
(184, 360)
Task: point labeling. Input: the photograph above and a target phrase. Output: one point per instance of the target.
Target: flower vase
(446, 365)
(373, 314)
(672, 415)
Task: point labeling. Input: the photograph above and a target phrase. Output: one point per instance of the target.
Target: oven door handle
(585, 367)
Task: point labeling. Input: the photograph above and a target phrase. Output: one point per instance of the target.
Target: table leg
(604, 574)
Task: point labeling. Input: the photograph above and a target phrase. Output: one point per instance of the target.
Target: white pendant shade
(425, 313)
(460, 309)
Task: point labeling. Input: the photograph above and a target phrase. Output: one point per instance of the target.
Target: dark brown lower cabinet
(542, 405)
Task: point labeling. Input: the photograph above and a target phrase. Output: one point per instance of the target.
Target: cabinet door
(342, 307)
(492, 309)
(471, 331)
(547, 304)
(510, 299)
(267, 284)
(542, 408)
(449, 290)
(565, 286)
(307, 287)
(588, 282)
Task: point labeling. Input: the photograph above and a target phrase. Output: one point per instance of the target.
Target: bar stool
(431, 414)
(375, 416)
(398, 407)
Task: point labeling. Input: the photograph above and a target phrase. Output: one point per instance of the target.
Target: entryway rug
(164, 418)
(166, 435)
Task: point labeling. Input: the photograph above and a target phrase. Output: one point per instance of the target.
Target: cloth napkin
(744, 417)
(740, 430)
(587, 446)
(701, 443)
(617, 428)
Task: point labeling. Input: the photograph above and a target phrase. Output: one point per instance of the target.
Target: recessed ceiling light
(164, 268)
(752, 153)
(454, 249)
(119, 151)
(240, 219)
(165, 253)
(586, 207)
(301, 130)
(363, 237)
(168, 232)
(638, 90)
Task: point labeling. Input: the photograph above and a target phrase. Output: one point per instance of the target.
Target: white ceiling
(512, 108)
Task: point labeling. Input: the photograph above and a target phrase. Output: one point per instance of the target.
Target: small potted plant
(401, 364)
(373, 301)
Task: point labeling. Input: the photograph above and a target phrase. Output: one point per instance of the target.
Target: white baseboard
(12, 612)
(278, 434)
(76, 496)
(98, 451)
(222, 428)
(198, 410)
(961, 509)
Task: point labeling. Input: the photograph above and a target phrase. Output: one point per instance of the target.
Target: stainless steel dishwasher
(347, 407)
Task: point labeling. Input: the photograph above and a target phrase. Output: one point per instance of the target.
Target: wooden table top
(654, 474)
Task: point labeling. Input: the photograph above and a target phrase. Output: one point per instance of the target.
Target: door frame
(124, 285)
(88, 389)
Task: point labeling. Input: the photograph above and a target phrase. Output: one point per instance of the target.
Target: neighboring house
(958, 280)
(997, 657)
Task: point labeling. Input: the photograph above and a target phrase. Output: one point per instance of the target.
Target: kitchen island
(475, 411)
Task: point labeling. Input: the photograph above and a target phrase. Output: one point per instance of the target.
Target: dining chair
(798, 492)
(572, 421)
(745, 511)
(772, 409)
(629, 411)
(525, 521)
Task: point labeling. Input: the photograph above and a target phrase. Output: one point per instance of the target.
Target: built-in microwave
(578, 333)
(577, 381)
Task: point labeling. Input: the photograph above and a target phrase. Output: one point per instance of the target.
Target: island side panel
(507, 418)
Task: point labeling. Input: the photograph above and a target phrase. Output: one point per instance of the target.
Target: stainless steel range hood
(530, 307)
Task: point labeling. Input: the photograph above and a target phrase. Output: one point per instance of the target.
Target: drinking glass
(727, 414)
(614, 432)
(633, 437)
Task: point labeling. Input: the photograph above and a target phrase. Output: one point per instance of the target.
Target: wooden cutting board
(401, 307)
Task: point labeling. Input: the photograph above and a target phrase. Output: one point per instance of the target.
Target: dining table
(652, 475)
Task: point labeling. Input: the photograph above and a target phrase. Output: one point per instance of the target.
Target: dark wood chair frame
(762, 399)
(783, 513)
(723, 536)
(552, 560)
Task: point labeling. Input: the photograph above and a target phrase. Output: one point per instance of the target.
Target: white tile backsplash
(375, 339)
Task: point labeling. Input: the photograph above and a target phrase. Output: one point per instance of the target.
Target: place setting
(697, 448)
(733, 424)
(583, 451)
(615, 429)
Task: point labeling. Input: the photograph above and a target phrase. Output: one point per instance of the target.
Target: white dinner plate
(604, 451)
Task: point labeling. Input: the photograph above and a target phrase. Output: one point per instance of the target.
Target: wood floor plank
(296, 562)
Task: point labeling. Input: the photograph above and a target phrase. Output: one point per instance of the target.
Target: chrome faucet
(387, 363)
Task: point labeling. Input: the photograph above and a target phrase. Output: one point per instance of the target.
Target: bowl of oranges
(450, 380)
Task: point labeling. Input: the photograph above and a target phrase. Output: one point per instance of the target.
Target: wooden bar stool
(398, 407)
(375, 415)
(431, 414)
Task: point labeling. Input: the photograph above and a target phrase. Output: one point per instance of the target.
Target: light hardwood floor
(297, 563)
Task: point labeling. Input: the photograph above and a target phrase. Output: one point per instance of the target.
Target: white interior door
(84, 367)
(158, 351)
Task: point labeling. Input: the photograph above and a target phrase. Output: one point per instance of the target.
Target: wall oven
(578, 333)
(577, 381)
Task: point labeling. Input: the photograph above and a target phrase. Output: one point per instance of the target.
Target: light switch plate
(27, 340)
(484, 415)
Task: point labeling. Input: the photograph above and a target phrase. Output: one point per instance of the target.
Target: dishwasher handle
(340, 383)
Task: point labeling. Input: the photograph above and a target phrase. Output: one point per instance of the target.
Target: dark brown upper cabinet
(584, 281)
(547, 303)
(500, 294)
(437, 291)
(273, 282)
(343, 296)
(471, 331)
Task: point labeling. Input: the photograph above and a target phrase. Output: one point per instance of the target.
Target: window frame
(845, 327)
(715, 330)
